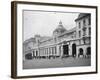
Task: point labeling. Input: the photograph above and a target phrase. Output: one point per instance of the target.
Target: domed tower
(59, 30)
(37, 38)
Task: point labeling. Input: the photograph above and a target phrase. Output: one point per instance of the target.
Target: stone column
(24, 57)
(51, 50)
(54, 51)
(48, 51)
(61, 50)
(43, 52)
(34, 52)
(70, 50)
(57, 50)
(38, 52)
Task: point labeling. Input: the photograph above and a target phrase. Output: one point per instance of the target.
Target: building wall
(54, 46)
(80, 28)
(80, 25)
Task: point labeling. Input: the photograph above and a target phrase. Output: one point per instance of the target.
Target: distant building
(63, 43)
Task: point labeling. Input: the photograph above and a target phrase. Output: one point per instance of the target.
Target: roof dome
(59, 29)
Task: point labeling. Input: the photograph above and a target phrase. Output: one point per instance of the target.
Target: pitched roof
(44, 38)
(81, 15)
(69, 31)
(29, 40)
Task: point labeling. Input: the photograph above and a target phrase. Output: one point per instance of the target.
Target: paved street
(53, 63)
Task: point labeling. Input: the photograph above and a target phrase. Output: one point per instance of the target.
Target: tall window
(55, 39)
(55, 50)
(36, 53)
(84, 32)
(79, 42)
(89, 21)
(79, 34)
(50, 50)
(47, 50)
(89, 31)
(33, 53)
(84, 22)
(84, 27)
(79, 24)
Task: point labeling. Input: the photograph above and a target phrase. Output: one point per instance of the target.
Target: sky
(44, 23)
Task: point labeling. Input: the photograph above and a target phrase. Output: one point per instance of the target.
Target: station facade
(63, 43)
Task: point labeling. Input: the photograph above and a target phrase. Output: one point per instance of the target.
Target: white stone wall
(55, 47)
(81, 27)
(84, 47)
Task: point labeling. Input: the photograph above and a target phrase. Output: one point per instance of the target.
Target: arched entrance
(88, 51)
(81, 51)
(33, 54)
(74, 50)
(28, 56)
(36, 54)
(65, 50)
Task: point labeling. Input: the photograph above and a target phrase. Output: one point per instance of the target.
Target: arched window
(80, 51)
(33, 53)
(79, 34)
(36, 53)
(88, 51)
(79, 24)
(84, 23)
(89, 21)
(74, 50)
(89, 31)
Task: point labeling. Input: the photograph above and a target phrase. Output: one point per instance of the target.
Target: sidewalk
(54, 63)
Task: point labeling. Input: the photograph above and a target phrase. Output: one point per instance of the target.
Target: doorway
(28, 56)
(65, 50)
(88, 51)
(74, 50)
